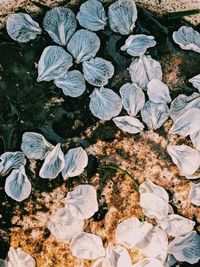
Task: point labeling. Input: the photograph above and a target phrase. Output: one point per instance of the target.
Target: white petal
(133, 98)
(194, 194)
(105, 103)
(92, 15)
(22, 28)
(170, 261)
(155, 244)
(187, 38)
(144, 69)
(158, 92)
(76, 160)
(82, 201)
(53, 164)
(17, 185)
(35, 146)
(17, 257)
(117, 256)
(99, 262)
(195, 81)
(83, 45)
(186, 158)
(131, 231)
(154, 115)
(150, 187)
(176, 225)
(195, 138)
(137, 45)
(186, 248)
(3, 263)
(64, 226)
(11, 160)
(154, 206)
(188, 123)
(182, 103)
(97, 71)
(72, 83)
(54, 62)
(87, 246)
(150, 262)
(122, 16)
(60, 23)
(128, 124)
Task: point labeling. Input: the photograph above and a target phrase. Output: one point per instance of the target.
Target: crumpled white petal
(35, 146)
(137, 45)
(150, 187)
(54, 62)
(83, 45)
(92, 15)
(188, 123)
(97, 71)
(194, 194)
(155, 244)
(72, 83)
(60, 23)
(117, 256)
(17, 185)
(186, 158)
(195, 138)
(153, 200)
(133, 98)
(195, 81)
(11, 160)
(82, 201)
(154, 115)
(76, 160)
(153, 206)
(22, 28)
(18, 257)
(128, 124)
(64, 226)
(87, 246)
(158, 92)
(144, 69)
(187, 38)
(105, 103)
(186, 248)
(176, 225)
(182, 103)
(170, 261)
(149, 262)
(131, 231)
(122, 16)
(53, 164)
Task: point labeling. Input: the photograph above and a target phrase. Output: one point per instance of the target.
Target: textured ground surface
(66, 120)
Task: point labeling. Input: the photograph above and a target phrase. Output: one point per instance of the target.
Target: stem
(111, 167)
(143, 217)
